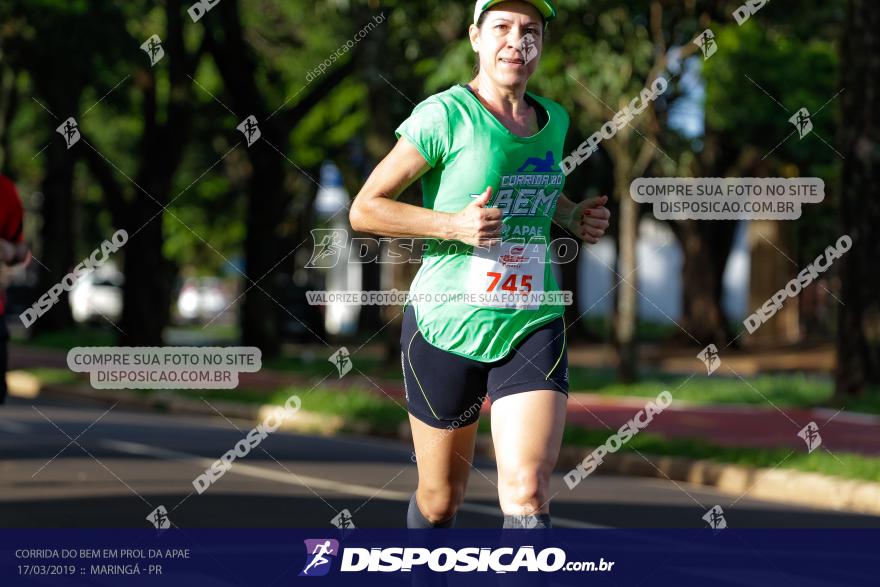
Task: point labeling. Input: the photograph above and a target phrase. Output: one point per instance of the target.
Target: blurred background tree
(161, 157)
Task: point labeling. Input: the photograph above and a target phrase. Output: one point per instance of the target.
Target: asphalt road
(72, 463)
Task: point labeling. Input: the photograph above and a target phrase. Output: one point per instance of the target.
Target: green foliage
(331, 124)
(759, 78)
(598, 55)
(353, 404)
(783, 390)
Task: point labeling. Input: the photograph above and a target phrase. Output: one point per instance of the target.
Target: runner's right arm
(376, 210)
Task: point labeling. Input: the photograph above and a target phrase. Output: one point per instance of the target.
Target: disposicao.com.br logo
(441, 560)
(318, 553)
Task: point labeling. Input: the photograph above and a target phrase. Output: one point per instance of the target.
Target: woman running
(488, 156)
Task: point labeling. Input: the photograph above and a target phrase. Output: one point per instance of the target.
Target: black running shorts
(446, 390)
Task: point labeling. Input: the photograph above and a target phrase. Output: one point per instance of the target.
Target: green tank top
(480, 302)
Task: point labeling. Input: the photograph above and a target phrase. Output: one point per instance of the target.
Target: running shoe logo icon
(153, 48)
(710, 358)
(159, 518)
(250, 130)
(69, 129)
(706, 42)
(810, 435)
(802, 122)
(320, 553)
(528, 47)
(715, 518)
(328, 248)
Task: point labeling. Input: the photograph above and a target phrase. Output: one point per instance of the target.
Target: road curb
(780, 485)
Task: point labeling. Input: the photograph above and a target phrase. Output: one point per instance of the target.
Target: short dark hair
(479, 24)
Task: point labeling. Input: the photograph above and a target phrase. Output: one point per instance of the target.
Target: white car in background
(202, 299)
(98, 295)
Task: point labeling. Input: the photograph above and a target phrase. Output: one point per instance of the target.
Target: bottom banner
(227, 557)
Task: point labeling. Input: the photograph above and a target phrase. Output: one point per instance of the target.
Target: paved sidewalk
(725, 425)
(735, 425)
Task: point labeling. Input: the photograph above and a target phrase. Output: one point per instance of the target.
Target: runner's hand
(476, 225)
(7, 252)
(589, 219)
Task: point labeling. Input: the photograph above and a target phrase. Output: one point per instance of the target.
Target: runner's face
(509, 43)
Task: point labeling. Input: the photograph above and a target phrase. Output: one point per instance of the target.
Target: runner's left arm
(587, 220)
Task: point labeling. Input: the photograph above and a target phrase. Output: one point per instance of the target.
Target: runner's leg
(527, 434)
(529, 392)
(444, 393)
(443, 457)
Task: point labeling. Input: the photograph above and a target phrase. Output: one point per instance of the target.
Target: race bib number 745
(507, 275)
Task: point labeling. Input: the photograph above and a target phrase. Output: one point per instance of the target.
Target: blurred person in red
(13, 251)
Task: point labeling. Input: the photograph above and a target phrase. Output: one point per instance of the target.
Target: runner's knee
(439, 503)
(525, 487)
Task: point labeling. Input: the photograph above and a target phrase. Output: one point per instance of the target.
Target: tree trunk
(706, 248)
(260, 310)
(378, 141)
(237, 66)
(267, 198)
(148, 274)
(771, 246)
(627, 302)
(146, 294)
(570, 280)
(8, 108)
(57, 254)
(858, 335)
